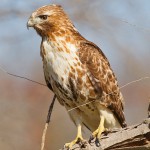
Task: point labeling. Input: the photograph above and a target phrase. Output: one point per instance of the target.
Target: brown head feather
(49, 19)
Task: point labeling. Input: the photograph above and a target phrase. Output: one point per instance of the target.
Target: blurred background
(120, 28)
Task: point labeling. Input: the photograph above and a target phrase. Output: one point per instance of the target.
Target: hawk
(78, 73)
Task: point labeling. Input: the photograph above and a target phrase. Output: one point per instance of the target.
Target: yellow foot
(71, 144)
(97, 133)
(78, 139)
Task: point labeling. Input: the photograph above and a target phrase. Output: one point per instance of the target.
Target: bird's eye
(44, 17)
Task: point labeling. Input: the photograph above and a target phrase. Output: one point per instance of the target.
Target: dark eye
(44, 17)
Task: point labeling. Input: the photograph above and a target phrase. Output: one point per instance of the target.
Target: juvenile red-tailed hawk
(78, 72)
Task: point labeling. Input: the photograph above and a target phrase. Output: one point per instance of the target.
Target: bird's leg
(97, 133)
(78, 138)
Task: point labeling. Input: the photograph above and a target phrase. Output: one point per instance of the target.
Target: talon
(91, 138)
(83, 144)
(106, 131)
(97, 142)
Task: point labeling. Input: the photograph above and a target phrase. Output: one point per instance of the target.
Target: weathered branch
(135, 137)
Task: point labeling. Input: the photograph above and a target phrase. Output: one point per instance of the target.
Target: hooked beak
(30, 23)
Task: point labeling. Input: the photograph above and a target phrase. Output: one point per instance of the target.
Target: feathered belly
(74, 91)
(74, 95)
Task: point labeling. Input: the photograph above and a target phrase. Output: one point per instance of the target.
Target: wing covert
(102, 78)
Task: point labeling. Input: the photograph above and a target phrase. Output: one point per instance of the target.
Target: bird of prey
(78, 73)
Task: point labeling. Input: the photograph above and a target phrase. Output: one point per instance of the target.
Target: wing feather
(102, 78)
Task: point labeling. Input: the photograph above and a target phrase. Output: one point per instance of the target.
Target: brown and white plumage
(77, 71)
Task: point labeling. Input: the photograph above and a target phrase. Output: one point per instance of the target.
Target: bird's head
(47, 19)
